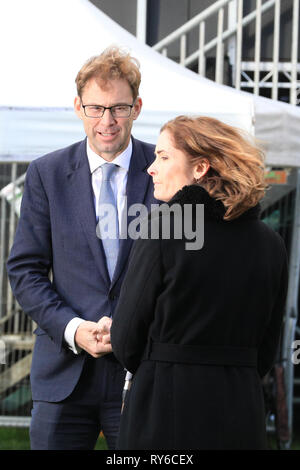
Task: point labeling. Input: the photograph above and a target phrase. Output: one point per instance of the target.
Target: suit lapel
(83, 205)
(137, 185)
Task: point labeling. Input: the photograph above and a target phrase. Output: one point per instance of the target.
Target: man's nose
(107, 117)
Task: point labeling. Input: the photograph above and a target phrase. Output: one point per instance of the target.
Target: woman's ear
(201, 168)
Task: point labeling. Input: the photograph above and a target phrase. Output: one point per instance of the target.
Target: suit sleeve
(30, 262)
(135, 311)
(271, 340)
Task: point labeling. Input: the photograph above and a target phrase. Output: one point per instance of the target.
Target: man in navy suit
(59, 269)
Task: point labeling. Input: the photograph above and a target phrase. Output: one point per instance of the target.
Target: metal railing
(282, 214)
(15, 327)
(228, 39)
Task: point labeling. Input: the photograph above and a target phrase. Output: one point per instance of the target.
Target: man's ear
(136, 108)
(77, 107)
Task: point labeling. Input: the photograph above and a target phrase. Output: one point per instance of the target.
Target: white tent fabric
(46, 43)
(277, 125)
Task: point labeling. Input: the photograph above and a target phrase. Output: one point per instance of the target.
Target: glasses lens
(121, 110)
(94, 111)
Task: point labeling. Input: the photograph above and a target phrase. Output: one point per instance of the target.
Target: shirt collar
(122, 160)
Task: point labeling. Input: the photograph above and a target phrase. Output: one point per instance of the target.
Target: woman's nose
(151, 170)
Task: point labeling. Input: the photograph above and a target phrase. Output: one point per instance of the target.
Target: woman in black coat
(199, 328)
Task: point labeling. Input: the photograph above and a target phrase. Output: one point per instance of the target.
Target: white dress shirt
(119, 181)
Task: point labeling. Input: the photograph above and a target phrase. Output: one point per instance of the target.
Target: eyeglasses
(117, 111)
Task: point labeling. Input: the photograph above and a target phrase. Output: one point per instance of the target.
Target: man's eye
(120, 108)
(95, 108)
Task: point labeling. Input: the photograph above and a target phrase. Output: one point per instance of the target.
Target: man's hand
(104, 325)
(88, 336)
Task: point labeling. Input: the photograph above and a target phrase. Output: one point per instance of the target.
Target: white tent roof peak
(50, 41)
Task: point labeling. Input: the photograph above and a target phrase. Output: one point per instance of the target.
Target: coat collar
(214, 209)
(78, 174)
(137, 185)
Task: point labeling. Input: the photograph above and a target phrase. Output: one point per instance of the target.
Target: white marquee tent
(44, 44)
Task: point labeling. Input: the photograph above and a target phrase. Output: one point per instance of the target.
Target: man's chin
(108, 152)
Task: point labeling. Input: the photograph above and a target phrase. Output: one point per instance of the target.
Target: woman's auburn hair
(236, 173)
(114, 63)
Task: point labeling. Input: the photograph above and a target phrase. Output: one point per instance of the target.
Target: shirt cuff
(69, 334)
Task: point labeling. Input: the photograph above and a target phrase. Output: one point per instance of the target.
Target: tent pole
(141, 20)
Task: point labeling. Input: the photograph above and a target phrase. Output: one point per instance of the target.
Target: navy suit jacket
(56, 235)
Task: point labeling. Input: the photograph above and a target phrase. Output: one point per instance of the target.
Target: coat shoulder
(273, 237)
(66, 156)
(146, 148)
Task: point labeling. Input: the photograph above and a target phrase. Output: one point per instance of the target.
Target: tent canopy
(46, 43)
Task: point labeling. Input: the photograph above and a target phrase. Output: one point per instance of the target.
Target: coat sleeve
(271, 340)
(135, 311)
(30, 262)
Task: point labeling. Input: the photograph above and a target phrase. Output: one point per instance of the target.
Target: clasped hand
(94, 337)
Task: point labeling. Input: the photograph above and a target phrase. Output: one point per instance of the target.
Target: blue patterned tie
(108, 219)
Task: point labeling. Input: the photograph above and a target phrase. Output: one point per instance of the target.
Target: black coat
(222, 306)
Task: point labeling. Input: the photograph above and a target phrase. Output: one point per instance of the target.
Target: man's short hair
(113, 63)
